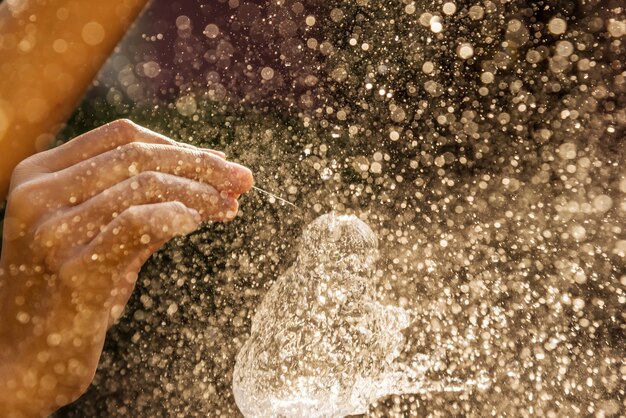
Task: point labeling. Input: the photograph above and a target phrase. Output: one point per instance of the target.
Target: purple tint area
(250, 51)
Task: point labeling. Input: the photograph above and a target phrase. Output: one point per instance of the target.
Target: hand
(81, 219)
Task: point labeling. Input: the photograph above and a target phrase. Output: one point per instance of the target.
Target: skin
(81, 219)
(50, 51)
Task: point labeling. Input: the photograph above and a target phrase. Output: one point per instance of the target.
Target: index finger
(79, 182)
(105, 138)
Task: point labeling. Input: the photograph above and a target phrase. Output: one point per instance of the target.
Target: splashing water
(321, 345)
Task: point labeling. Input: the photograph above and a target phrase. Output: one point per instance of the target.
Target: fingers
(99, 140)
(96, 142)
(81, 223)
(215, 152)
(79, 182)
(108, 265)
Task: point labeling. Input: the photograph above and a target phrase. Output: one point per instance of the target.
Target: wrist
(19, 394)
(31, 370)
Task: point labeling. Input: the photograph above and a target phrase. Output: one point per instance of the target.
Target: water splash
(321, 344)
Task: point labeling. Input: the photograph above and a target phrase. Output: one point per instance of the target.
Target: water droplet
(267, 73)
(465, 51)
(557, 26)
(211, 31)
(449, 8)
(602, 203)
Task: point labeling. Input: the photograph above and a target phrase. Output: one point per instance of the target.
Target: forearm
(18, 397)
(50, 51)
(19, 389)
(44, 355)
(38, 375)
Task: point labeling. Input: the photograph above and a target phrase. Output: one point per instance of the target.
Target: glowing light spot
(172, 309)
(151, 69)
(22, 317)
(60, 46)
(602, 203)
(465, 51)
(93, 33)
(557, 26)
(336, 15)
(567, 151)
(186, 105)
(62, 13)
(578, 232)
(211, 31)
(435, 24)
(616, 28)
(54, 339)
(476, 12)
(267, 73)
(487, 77)
(564, 48)
(449, 8)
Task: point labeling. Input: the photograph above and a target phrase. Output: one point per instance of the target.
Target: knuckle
(22, 166)
(44, 233)
(151, 179)
(177, 207)
(25, 170)
(125, 127)
(24, 193)
(128, 220)
(132, 151)
(131, 221)
(33, 199)
(131, 216)
(152, 217)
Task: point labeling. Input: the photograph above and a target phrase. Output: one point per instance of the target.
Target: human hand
(81, 219)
